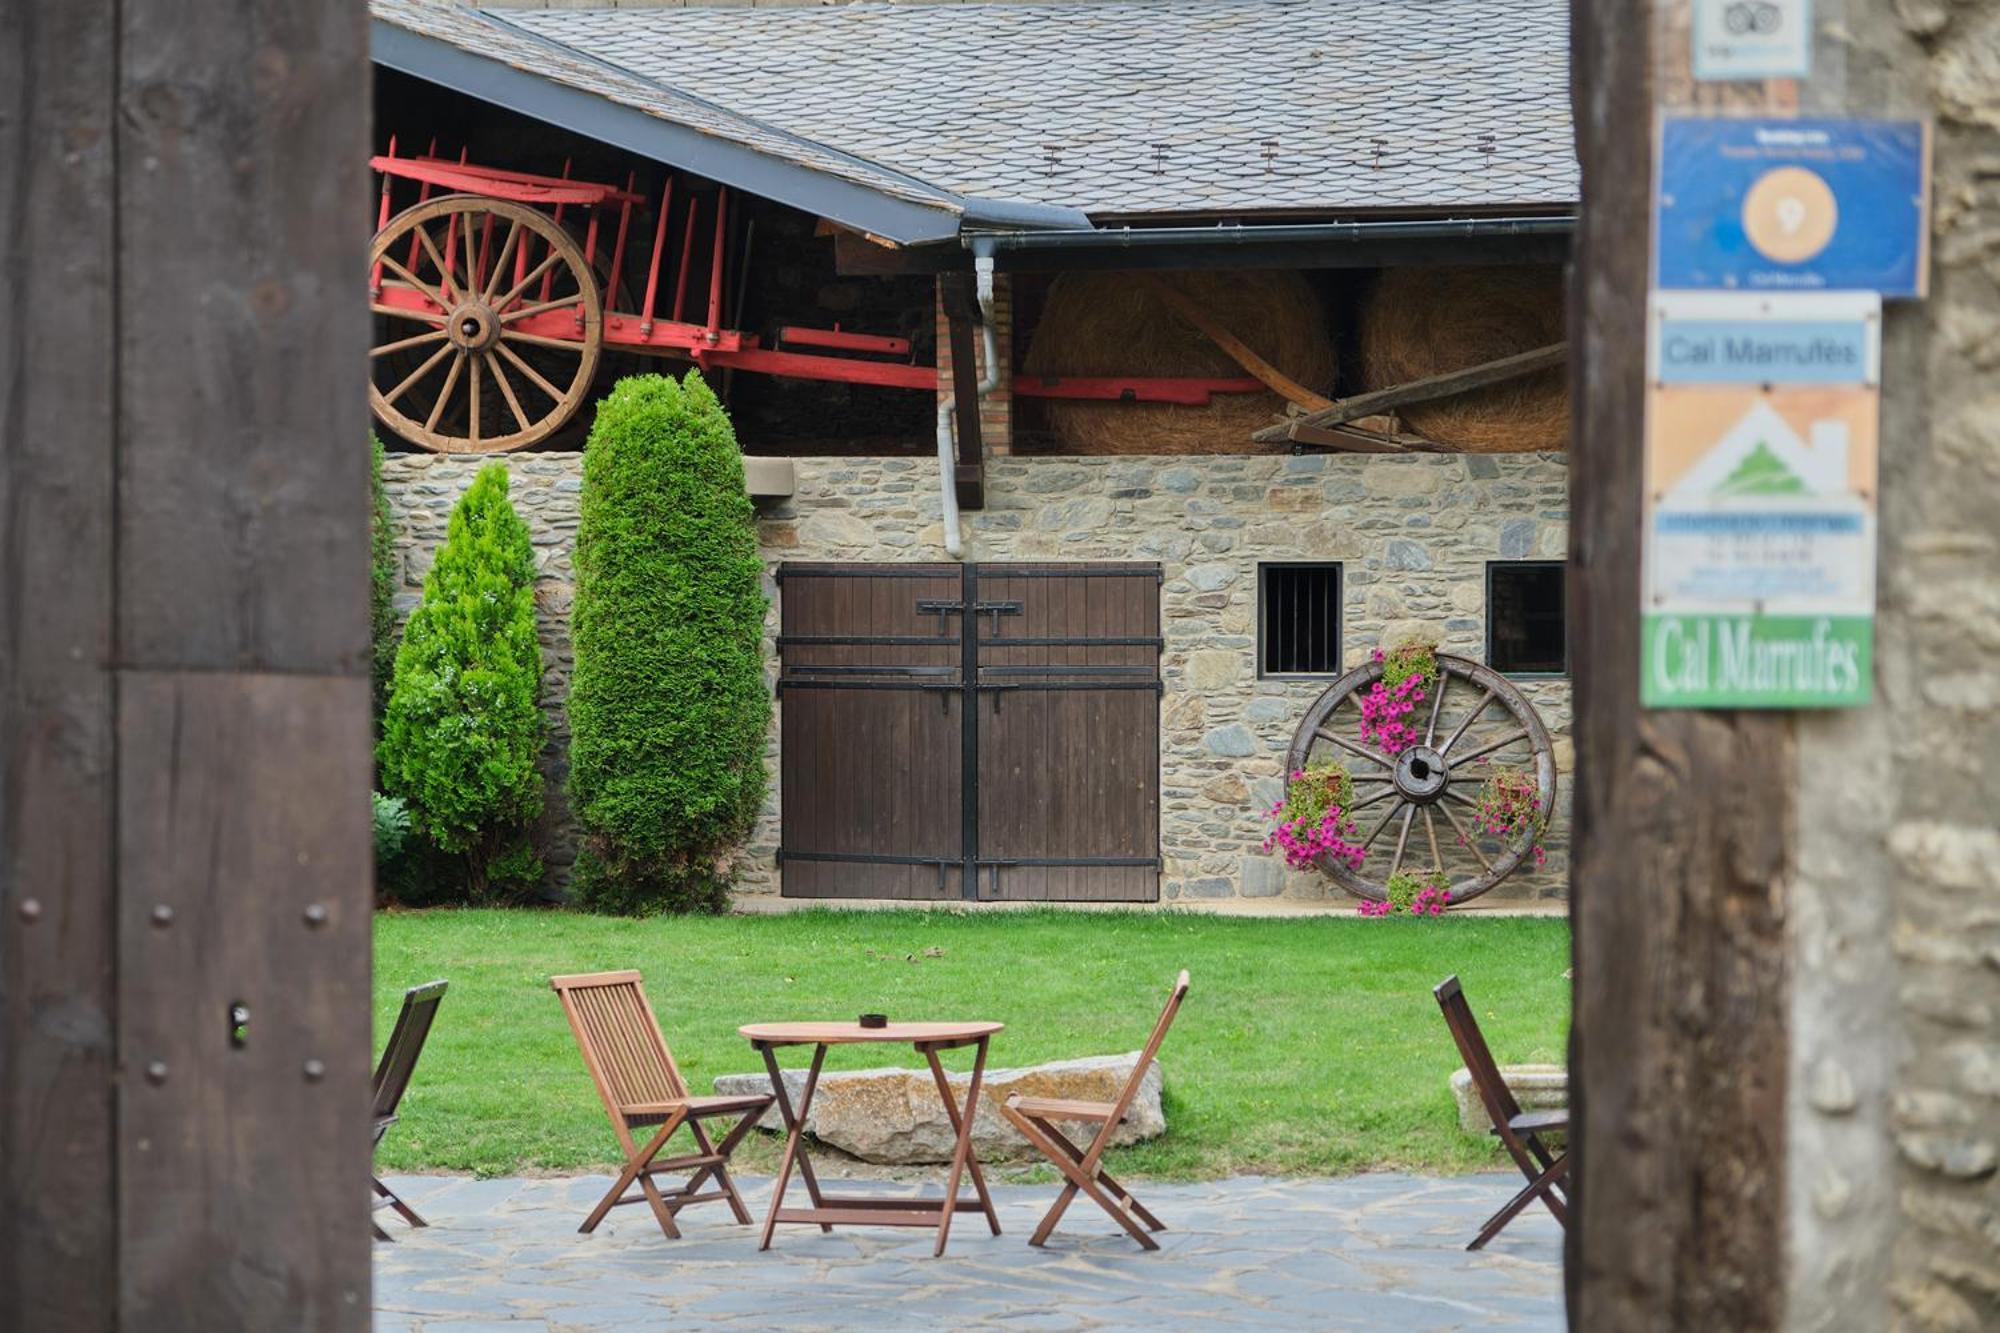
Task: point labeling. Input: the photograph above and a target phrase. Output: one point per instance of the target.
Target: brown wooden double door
(1006, 753)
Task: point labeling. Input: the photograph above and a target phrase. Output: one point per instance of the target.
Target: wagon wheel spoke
(1352, 748)
(1491, 746)
(472, 376)
(1454, 794)
(445, 280)
(1374, 777)
(1381, 824)
(500, 263)
(1470, 844)
(1431, 832)
(430, 293)
(534, 376)
(435, 335)
(1437, 705)
(417, 374)
(1382, 795)
(434, 318)
(534, 274)
(1470, 718)
(444, 394)
(1402, 840)
(506, 389)
(541, 307)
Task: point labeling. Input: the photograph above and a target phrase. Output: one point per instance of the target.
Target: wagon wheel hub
(473, 327)
(1422, 774)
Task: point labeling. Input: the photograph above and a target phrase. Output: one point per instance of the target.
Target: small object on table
(928, 1039)
(872, 1021)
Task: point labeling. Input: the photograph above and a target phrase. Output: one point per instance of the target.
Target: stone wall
(1893, 1218)
(1414, 534)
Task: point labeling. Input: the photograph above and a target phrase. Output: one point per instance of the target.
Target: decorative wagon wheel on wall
(1415, 811)
(488, 325)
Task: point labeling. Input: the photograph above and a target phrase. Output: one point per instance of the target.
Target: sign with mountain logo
(1759, 544)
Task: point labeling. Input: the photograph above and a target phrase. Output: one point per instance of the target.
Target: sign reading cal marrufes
(1758, 204)
(1759, 547)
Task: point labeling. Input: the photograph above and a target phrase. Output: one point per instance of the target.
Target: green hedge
(464, 723)
(668, 708)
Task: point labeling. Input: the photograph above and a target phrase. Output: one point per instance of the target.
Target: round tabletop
(845, 1034)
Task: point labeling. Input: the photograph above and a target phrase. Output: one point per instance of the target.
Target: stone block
(895, 1116)
(1232, 742)
(1517, 538)
(1212, 669)
(1262, 877)
(1536, 1087)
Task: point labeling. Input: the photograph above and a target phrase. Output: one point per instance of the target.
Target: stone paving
(1376, 1251)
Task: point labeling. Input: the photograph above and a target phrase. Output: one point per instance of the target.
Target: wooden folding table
(827, 1210)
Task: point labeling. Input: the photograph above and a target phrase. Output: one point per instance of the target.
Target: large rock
(1536, 1087)
(895, 1116)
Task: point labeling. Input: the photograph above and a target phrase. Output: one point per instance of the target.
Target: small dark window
(1298, 620)
(1526, 633)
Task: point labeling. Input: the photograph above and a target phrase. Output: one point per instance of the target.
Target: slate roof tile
(1126, 108)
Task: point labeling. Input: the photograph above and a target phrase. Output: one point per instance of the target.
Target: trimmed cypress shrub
(668, 708)
(464, 722)
(381, 581)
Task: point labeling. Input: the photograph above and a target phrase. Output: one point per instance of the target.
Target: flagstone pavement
(1378, 1251)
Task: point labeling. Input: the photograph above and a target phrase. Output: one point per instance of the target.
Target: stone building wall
(1893, 1217)
(1414, 534)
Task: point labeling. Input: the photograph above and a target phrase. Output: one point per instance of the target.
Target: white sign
(1752, 39)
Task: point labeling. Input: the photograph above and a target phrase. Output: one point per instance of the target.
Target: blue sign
(1714, 351)
(1792, 205)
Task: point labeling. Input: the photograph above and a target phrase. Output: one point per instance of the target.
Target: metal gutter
(989, 243)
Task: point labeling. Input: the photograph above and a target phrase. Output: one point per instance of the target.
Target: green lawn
(1305, 1046)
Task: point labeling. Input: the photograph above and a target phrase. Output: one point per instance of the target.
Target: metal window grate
(1526, 628)
(1298, 620)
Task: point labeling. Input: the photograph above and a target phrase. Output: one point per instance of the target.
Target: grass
(1307, 1046)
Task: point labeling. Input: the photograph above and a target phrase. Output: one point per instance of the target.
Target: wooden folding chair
(641, 1087)
(1519, 1130)
(1081, 1167)
(392, 1079)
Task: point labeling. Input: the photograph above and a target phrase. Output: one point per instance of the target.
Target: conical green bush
(668, 706)
(464, 724)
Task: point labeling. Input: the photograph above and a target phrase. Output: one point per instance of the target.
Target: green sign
(1750, 661)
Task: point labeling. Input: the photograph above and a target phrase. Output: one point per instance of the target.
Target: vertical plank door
(871, 706)
(1068, 691)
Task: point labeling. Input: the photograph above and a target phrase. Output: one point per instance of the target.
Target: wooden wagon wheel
(1471, 720)
(452, 369)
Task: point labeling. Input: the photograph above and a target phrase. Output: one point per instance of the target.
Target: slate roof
(1125, 109)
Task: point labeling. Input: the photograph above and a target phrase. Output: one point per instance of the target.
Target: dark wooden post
(1682, 833)
(184, 748)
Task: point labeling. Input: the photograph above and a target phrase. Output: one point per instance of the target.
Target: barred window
(1298, 620)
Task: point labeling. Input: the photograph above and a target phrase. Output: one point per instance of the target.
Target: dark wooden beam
(58, 932)
(184, 722)
(961, 310)
(1419, 391)
(1682, 834)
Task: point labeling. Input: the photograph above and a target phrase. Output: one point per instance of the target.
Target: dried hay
(1118, 324)
(1419, 322)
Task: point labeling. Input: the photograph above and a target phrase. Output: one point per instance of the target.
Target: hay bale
(1430, 321)
(1117, 324)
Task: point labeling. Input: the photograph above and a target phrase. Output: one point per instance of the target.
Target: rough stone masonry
(1413, 533)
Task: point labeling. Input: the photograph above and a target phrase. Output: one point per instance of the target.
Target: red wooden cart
(492, 315)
